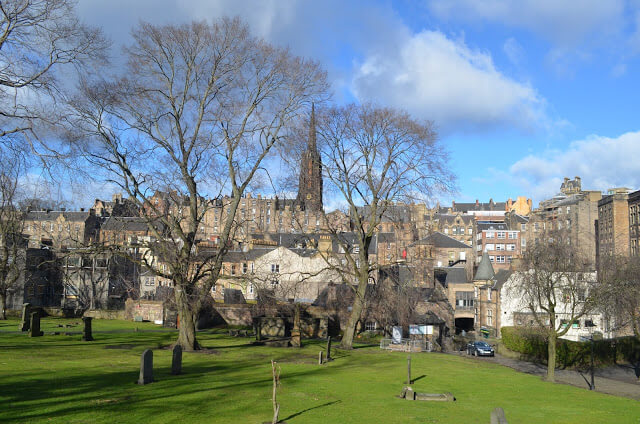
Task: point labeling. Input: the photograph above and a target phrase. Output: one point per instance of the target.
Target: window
(470, 230)
(475, 292)
(446, 231)
(511, 247)
(464, 300)
(500, 247)
(250, 288)
(489, 293)
(490, 246)
(356, 249)
(492, 258)
(370, 326)
(233, 269)
(568, 209)
(523, 227)
(244, 268)
(489, 317)
(490, 234)
(501, 234)
(513, 235)
(536, 226)
(275, 268)
(501, 259)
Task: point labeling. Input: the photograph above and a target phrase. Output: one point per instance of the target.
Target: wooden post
(320, 359)
(409, 369)
(275, 372)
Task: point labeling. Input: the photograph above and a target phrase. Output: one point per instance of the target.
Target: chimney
(477, 203)
(324, 245)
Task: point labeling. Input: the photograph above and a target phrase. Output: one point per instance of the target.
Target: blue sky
(523, 92)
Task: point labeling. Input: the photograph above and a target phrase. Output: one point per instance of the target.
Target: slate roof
(53, 215)
(450, 275)
(126, 223)
(485, 269)
(501, 277)
(439, 239)
(495, 226)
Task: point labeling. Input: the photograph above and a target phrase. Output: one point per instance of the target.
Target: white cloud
(437, 78)
(514, 51)
(601, 162)
(561, 22)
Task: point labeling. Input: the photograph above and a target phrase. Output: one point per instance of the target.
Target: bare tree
(619, 291)
(12, 243)
(555, 288)
(198, 114)
(373, 158)
(38, 40)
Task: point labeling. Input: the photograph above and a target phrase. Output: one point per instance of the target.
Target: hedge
(532, 343)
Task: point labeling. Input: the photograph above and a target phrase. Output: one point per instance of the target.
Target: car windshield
(482, 344)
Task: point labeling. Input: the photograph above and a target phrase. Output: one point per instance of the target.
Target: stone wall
(105, 314)
(147, 310)
(235, 314)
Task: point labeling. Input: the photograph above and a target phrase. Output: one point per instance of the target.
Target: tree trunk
(551, 360)
(356, 311)
(187, 324)
(3, 305)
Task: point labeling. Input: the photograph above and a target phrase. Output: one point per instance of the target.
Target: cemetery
(126, 371)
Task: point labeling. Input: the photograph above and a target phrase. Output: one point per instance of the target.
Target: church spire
(310, 182)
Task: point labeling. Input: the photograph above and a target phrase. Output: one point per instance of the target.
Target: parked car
(480, 349)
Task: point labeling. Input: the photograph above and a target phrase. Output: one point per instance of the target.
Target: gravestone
(320, 359)
(176, 361)
(34, 330)
(498, 417)
(87, 335)
(24, 323)
(234, 297)
(146, 367)
(329, 349)
(296, 337)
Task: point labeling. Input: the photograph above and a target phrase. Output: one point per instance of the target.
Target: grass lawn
(60, 379)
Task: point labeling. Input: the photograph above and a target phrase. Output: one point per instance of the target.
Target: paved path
(617, 380)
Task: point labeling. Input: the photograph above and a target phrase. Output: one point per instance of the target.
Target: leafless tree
(555, 287)
(619, 291)
(198, 114)
(12, 245)
(40, 41)
(373, 158)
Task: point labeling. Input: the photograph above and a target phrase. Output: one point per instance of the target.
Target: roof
(485, 269)
(492, 227)
(439, 239)
(456, 275)
(53, 215)
(501, 277)
(125, 223)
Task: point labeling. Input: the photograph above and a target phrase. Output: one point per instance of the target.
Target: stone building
(634, 223)
(572, 212)
(613, 223)
(61, 229)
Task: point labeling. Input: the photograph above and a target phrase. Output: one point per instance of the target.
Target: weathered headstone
(176, 361)
(329, 349)
(233, 297)
(146, 367)
(257, 324)
(24, 323)
(87, 334)
(498, 417)
(34, 330)
(320, 359)
(296, 337)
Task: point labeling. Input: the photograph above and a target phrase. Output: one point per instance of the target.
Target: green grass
(61, 379)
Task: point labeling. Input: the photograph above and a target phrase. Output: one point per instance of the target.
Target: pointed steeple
(310, 182)
(485, 269)
(312, 129)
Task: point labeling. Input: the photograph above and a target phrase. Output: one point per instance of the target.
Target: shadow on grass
(310, 409)
(413, 380)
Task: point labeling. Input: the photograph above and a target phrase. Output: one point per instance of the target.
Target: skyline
(522, 94)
